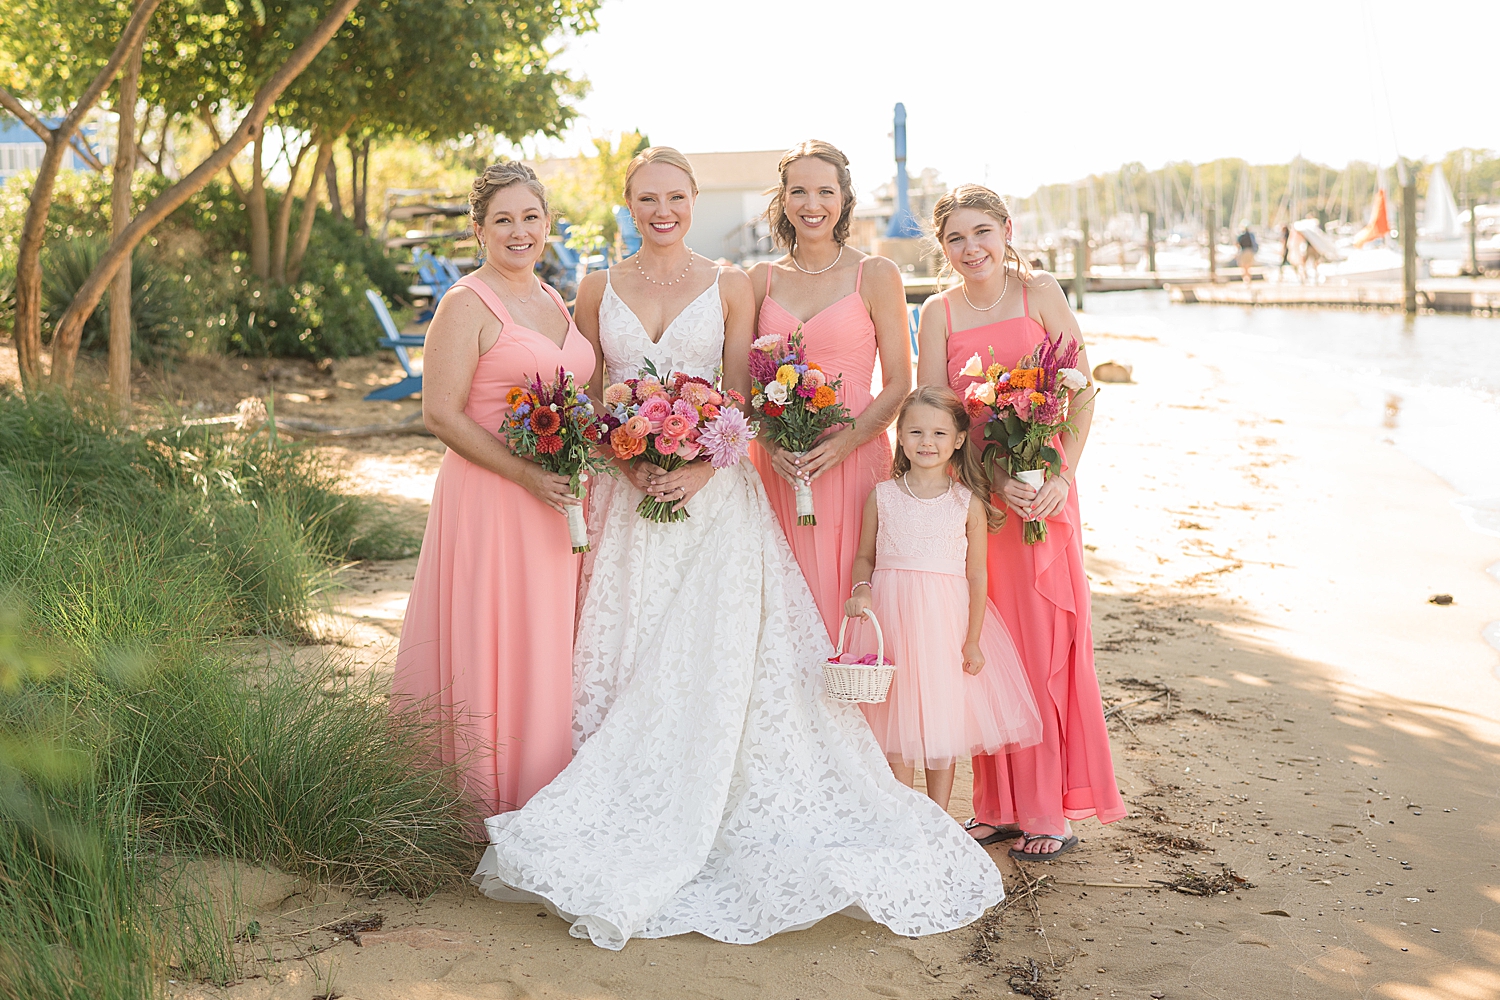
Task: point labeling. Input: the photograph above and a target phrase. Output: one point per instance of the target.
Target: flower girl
(958, 688)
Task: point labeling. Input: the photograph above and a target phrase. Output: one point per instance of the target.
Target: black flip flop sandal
(1008, 832)
(1065, 844)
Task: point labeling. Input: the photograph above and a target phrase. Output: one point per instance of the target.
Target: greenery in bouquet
(1023, 410)
(796, 400)
(554, 425)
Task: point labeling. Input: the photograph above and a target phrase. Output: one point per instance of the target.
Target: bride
(714, 788)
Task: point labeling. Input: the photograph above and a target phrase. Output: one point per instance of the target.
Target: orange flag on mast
(1380, 224)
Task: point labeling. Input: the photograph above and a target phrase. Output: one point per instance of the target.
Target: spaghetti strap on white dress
(715, 788)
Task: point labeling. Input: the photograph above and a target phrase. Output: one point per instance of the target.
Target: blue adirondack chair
(629, 235)
(398, 342)
(438, 274)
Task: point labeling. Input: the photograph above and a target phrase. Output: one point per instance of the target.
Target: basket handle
(879, 635)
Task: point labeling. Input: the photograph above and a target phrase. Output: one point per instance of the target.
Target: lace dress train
(715, 788)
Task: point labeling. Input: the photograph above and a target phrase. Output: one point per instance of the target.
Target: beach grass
(149, 717)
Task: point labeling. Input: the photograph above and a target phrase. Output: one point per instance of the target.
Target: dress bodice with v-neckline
(693, 343)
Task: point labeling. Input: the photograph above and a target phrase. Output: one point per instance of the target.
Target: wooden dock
(920, 286)
(1478, 296)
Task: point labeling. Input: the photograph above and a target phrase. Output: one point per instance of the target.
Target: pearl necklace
(937, 499)
(663, 284)
(820, 270)
(964, 289)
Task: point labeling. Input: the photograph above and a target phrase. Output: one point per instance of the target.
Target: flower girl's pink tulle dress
(488, 637)
(920, 589)
(841, 340)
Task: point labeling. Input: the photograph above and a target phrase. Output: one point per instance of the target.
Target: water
(1432, 382)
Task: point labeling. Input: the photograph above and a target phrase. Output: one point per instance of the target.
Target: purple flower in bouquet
(727, 438)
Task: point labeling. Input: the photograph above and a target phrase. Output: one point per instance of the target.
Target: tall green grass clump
(144, 719)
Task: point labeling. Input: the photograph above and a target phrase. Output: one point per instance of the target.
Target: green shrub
(138, 729)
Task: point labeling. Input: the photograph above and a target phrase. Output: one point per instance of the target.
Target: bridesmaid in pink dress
(1041, 590)
(487, 645)
(851, 307)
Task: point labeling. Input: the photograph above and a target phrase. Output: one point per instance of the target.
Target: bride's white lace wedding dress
(715, 789)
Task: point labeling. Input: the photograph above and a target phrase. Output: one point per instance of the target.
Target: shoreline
(1261, 564)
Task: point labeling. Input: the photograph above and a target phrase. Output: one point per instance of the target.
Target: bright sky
(1016, 95)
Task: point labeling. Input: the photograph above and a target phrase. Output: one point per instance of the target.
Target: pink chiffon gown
(841, 340)
(1043, 596)
(487, 644)
(936, 712)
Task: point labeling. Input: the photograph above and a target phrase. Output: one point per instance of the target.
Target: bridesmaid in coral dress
(487, 645)
(1040, 590)
(851, 308)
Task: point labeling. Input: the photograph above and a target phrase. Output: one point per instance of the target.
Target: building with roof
(22, 149)
(733, 190)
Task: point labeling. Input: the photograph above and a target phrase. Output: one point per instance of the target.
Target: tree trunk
(309, 208)
(260, 223)
(361, 170)
(28, 315)
(70, 327)
(331, 176)
(284, 216)
(119, 217)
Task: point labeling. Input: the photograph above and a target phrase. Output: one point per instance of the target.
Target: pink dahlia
(616, 394)
(727, 438)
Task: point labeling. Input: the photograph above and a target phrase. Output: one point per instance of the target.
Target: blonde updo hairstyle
(497, 177)
(966, 465)
(659, 154)
(782, 230)
(981, 199)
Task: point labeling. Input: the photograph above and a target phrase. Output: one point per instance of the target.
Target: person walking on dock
(1248, 247)
(1286, 250)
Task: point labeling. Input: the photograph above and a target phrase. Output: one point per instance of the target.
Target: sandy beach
(1308, 747)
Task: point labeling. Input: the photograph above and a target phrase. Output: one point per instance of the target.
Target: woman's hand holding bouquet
(797, 403)
(554, 425)
(1021, 412)
(667, 422)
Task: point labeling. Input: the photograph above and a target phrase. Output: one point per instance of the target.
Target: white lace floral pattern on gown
(715, 789)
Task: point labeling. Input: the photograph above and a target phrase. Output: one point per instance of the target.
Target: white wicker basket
(862, 682)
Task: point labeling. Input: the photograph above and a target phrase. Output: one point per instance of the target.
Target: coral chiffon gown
(1043, 596)
(841, 340)
(487, 644)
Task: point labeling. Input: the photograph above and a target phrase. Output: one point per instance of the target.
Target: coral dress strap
(948, 313)
(557, 297)
(487, 296)
(859, 274)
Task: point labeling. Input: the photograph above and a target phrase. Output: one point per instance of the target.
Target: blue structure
(438, 274)
(22, 149)
(903, 223)
(630, 237)
(398, 342)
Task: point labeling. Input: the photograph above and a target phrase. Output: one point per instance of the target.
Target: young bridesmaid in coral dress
(1041, 590)
(854, 309)
(487, 644)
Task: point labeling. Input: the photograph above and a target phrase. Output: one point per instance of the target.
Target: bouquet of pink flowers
(554, 425)
(670, 421)
(798, 403)
(1023, 409)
